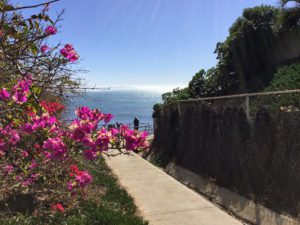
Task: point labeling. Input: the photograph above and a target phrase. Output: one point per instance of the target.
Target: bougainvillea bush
(39, 154)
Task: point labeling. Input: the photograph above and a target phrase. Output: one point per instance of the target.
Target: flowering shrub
(38, 153)
(30, 145)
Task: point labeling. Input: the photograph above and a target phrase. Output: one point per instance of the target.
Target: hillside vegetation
(263, 42)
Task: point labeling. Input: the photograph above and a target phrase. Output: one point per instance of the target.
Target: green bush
(286, 78)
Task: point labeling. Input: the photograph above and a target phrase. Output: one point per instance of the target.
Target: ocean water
(123, 104)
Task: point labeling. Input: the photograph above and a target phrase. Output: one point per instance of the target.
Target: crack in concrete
(178, 211)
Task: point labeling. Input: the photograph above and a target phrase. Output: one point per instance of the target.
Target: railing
(287, 100)
(143, 127)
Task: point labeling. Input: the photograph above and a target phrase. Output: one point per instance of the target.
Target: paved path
(161, 199)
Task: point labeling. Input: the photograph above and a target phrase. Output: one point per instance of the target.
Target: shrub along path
(161, 199)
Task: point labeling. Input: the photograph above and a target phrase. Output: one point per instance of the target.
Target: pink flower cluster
(57, 148)
(9, 137)
(50, 30)
(9, 169)
(32, 178)
(40, 122)
(69, 53)
(58, 207)
(84, 131)
(4, 94)
(37, 139)
(134, 140)
(44, 48)
(79, 178)
(20, 91)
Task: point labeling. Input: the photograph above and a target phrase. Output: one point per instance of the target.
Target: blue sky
(146, 42)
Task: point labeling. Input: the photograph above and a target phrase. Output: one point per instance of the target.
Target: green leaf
(7, 8)
(31, 24)
(34, 49)
(36, 90)
(37, 26)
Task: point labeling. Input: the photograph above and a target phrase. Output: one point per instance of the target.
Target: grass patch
(114, 206)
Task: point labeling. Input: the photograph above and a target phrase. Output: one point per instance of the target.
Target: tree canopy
(259, 41)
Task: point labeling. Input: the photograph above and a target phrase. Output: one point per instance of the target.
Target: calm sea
(123, 104)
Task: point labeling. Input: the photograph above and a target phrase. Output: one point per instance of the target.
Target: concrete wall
(259, 160)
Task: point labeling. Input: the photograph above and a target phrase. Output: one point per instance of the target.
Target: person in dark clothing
(136, 123)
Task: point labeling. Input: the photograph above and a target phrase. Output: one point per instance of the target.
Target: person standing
(136, 123)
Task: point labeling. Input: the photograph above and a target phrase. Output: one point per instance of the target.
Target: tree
(197, 84)
(243, 65)
(24, 51)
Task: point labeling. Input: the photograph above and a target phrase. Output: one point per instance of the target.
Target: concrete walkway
(161, 199)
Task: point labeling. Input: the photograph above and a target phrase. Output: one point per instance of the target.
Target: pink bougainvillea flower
(102, 140)
(90, 154)
(124, 129)
(50, 30)
(27, 182)
(32, 165)
(108, 117)
(135, 141)
(14, 137)
(71, 185)
(87, 141)
(73, 56)
(143, 135)
(78, 134)
(114, 131)
(64, 52)
(69, 53)
(24, 154)
(4, 94)
(44, 48)
(83, 113)
(131, 142)
(74, 168)
(33, 177)
(20, 97)
(27, 128)
(21, 90)
(41, 122)
(83, 178)
(9, 169)
(3, 145)
(57, 147)
(58, 207)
